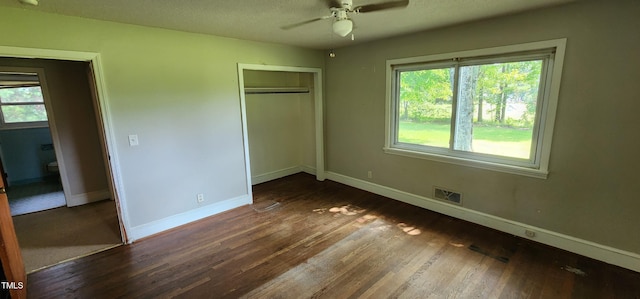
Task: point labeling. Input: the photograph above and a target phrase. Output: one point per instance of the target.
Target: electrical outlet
(369, 174)
(200, 198)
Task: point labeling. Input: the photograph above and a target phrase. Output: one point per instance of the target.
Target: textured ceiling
(261, 20)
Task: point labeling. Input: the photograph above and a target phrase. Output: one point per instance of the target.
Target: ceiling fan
(340, 11)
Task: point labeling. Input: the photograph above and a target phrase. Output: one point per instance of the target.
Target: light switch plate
(133, 140)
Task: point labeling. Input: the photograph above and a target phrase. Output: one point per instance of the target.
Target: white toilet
(53, 167)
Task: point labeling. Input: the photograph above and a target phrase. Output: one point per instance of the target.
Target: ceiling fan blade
(381, 6)
(287, 27)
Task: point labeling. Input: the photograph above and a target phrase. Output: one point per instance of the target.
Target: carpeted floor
(49, 237)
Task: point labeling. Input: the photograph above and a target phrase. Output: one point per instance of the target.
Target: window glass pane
(425, 106)
(24, 113)
(21, 95)
(496, 108)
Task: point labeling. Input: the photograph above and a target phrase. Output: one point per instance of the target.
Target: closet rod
(267, 90)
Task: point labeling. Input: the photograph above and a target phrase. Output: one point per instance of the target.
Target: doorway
(28, 161)
(83, 191)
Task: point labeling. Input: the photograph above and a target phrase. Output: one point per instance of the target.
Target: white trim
(530, 172)
(549, 115)
(319, 124)
(174, 221)
(485, 51)
(308, 169)
(590, 249)
(245, 134)
(115, 184)
(282, 89)
(538, 167)
(88, 197)
(7, 51)
(4, 125)
(24, 125)
(108, 139)
(274, 175)
(319, 117)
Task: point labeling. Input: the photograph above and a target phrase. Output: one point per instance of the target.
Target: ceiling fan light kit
(340, 10)
(342, 27)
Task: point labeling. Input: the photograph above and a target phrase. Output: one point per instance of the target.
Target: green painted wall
(177, 91)
(592, 191)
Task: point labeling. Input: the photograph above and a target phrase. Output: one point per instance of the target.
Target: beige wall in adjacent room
(76, 125)
(592, 190)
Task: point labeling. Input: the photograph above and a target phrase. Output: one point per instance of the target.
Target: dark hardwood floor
(327, 240)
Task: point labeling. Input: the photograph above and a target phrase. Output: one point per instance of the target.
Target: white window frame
(25, 124)
(538, 165)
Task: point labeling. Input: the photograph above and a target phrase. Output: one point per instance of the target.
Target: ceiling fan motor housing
(341, 15)
(346, 4)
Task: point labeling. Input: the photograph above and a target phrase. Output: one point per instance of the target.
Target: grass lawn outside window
(490, 108)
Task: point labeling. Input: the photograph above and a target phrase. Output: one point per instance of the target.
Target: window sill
(26, 125)
(523, 171)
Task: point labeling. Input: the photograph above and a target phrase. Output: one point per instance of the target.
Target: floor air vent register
(447, 195)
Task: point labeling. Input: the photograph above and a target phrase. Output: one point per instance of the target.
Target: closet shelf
(283, 89)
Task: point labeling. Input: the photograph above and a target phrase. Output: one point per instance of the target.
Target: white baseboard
(170, 222)
(270, 176)
(308, 169)
(590, 249)
(85, 198)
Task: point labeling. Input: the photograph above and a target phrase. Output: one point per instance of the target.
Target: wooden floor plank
(327, 240)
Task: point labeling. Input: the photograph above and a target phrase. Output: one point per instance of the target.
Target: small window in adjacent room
(490, 108)
(21, 101)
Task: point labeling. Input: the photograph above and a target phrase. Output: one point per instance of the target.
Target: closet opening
(282, 114)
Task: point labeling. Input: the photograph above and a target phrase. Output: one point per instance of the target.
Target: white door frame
(319, 115)
(103, 116)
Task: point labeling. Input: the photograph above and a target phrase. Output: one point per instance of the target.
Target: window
(491, 108)
(21, 101)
